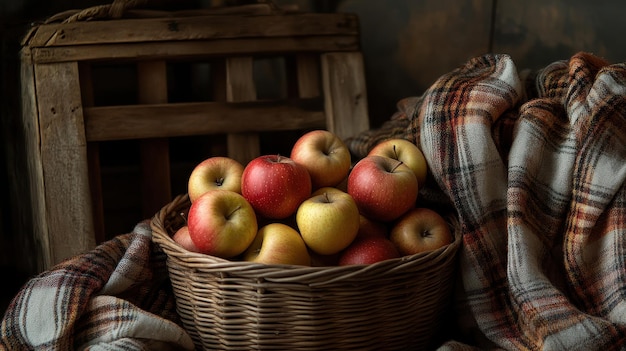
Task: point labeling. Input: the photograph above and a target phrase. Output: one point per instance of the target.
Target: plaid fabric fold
(116, 297)
(534, 165)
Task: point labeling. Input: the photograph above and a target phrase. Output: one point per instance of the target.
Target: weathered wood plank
(194, 49)
(345, 93)
(201, 118)
(93, 157)
(64, 160)
(307, 73)
(156, 188)
(193, 28)
(34, 218)
(239, 86)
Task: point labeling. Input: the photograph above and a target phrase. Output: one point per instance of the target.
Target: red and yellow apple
(405, 151)
(368, 250)
(420, 230)
(383, 188)
(275, 185)
(328, 222)
(181, 236)
(221, 223)
(324, 155)
(214, 173)
(278, 243)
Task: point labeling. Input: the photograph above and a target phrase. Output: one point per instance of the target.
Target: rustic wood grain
(193, 28)
(201, 118)
(156, 188)
(194, 49)
(35, 220)
(345, 93)
(64, 160)
(93, 157)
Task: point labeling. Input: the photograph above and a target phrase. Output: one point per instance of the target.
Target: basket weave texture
(396, 304)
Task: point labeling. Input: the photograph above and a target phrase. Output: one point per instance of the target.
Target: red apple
(221, 223)
(419, 230)
(183, 239)
(328, 222)
(214, 173)
(405, 151)
(275, 185)
(324, 155)
(383, 188)
(371, 228)
(277, 243)
(368, 250)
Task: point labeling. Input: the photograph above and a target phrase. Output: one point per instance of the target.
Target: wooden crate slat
(64, 160)
(35, 220)
(193, 49)
(93, 157)
(193, 28)
(156, 189)
(161, 120)
(242, 146)
(346, 94)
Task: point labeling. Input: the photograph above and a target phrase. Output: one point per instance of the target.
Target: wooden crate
(65, 121)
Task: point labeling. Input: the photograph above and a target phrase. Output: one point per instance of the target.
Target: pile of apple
(313, 208)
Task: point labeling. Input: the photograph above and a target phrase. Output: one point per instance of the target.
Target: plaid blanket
(116, 297)
(533, 164)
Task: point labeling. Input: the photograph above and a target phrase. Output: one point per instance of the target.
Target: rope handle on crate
(118, 8)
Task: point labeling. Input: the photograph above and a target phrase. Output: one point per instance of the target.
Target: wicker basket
(396, 304)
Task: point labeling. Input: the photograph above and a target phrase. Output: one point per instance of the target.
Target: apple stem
(425, 233)
(395, 152)
(233, 212)
(396, 165)
(219, 181)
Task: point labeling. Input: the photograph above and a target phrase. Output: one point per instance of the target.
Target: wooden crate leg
(345, 95)
(64, 160)
(235, 83)
(156, 186)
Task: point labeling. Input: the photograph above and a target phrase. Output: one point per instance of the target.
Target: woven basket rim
(281, 272)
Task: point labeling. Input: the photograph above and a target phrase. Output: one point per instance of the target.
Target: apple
(275, 185)
(278, 243)
(383, 188)
(324, 155)
(328, 222)
(368, 250)
(405, 151)
(419, 230)
(221, 223)
(371, 228)
(181, 236)
(214, 173)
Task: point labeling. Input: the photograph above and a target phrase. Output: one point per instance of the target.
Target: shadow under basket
(397, 304)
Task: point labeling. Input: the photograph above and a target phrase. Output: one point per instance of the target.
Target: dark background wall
(407, 44)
